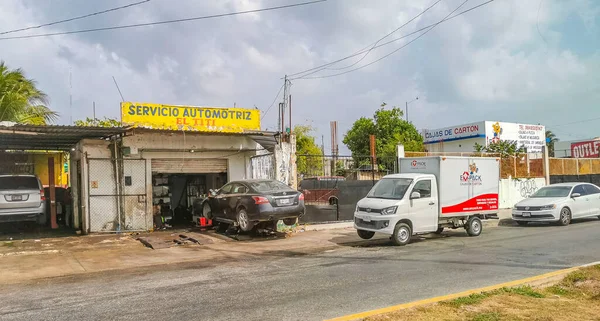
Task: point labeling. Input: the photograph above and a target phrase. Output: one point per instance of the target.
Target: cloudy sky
(527, 61)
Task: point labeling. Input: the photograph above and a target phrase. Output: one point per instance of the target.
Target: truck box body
(466, 185)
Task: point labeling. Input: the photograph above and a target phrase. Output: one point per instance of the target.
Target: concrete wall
(513, 191)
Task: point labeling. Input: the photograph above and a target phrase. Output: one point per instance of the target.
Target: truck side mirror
(415, 195)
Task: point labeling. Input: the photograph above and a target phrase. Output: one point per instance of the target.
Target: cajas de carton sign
(190, 118)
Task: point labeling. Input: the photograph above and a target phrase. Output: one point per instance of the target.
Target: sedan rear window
(18, 183)
(269, 186)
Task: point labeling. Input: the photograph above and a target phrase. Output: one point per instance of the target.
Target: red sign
(589, 149)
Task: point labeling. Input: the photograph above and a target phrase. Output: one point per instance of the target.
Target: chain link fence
(117, 195)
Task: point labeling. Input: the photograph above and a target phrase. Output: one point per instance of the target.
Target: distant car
(559, 203)
(22, 199)
(249, 203)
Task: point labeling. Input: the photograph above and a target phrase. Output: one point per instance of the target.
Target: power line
(576, 122)
(164, 22)
(389, 42)
(76, 18)
(273, 103)
(392, 52)
(389, 34)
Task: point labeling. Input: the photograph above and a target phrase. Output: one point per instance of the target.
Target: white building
(462, 138)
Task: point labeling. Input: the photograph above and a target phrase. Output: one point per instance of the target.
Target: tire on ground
(365, 235)
(565, 217)
(290, 221)
(402, 234)
(439, 230)
(474, 226)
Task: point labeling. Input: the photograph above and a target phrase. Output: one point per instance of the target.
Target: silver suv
(22, 199)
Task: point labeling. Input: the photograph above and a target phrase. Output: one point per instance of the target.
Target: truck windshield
(390, 188)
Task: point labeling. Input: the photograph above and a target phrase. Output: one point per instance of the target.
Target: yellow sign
(192, 118)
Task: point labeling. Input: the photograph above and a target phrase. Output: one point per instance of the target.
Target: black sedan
(249, 203)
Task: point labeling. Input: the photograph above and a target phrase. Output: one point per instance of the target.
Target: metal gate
(117, 195)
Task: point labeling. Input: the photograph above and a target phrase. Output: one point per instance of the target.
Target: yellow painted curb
(453, 296)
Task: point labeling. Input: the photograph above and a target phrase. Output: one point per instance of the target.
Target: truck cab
(410, 199)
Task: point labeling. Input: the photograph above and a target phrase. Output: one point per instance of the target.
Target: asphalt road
(351, 279)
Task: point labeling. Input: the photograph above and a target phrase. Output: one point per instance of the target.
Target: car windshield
(552, 191)
(269, 186)
(18, 183)
(390, 188)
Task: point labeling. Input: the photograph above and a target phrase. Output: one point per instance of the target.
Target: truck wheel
(244, 221)
(365, 235)
(439, 230)
(402, 234)
(474, 226)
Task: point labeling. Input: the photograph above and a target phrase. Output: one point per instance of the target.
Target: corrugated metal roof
(53, 137)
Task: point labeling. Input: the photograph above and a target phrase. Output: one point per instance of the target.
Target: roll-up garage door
(189, 166)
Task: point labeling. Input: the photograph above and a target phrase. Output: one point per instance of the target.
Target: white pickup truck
(429, 194)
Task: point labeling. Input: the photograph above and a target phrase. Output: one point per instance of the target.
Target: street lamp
(408, 102)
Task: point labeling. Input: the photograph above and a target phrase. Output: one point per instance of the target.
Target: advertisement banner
(189, 118)
(531, 137)
(588, 149)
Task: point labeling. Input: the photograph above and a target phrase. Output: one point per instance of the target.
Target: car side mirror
(575, 195)
(415, 195)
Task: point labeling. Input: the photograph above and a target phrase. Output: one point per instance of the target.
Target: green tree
(309, 160)
(106, 122)
(550, 140)
(389, 128)
(504, 148)
(21, 101)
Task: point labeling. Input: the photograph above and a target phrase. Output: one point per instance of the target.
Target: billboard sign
(189, 118)
(587, 149)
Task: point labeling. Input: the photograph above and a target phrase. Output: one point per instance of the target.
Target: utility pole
(406, 108)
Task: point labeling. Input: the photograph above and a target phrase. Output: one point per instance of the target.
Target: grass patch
(487, 316)
(574, 277)
(558, 290)
(9, 244)
(467, 300)
(524, 291)
(576, 297)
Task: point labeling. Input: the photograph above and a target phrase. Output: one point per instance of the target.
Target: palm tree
(550, 140)
(21, 101)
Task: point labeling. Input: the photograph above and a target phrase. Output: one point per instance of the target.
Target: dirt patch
(575, 297)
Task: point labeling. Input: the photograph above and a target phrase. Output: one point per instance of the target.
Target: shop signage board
(587, 149)
(189, 118)
(448, 134)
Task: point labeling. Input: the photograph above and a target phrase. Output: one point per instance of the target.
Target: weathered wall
(513, 191)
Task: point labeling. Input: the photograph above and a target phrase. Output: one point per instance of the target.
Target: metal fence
(117, 195)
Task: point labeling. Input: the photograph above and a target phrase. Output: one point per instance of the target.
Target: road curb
(537, 278)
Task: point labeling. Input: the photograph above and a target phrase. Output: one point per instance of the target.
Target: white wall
(456, 146)
(514, 190)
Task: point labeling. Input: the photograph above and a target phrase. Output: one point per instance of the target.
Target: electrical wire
(576, 122)
(389, 42)
(76, 18)
(273, 103)
(164, 22)
(389, 34)
(392, 52)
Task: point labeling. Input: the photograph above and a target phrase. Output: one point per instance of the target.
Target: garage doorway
(179, 186)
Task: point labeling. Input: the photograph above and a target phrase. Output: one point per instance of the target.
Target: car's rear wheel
(402, 234)
(243, 220)
(522, 223)
(290, 221)
(365, 235)
(565, 217)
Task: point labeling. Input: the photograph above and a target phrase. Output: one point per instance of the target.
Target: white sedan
(559, 203)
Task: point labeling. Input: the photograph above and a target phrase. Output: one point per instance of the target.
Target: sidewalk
(35, 259)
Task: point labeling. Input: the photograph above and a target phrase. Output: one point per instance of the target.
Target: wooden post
(373, 162)
(51, 184)
(546, 164)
